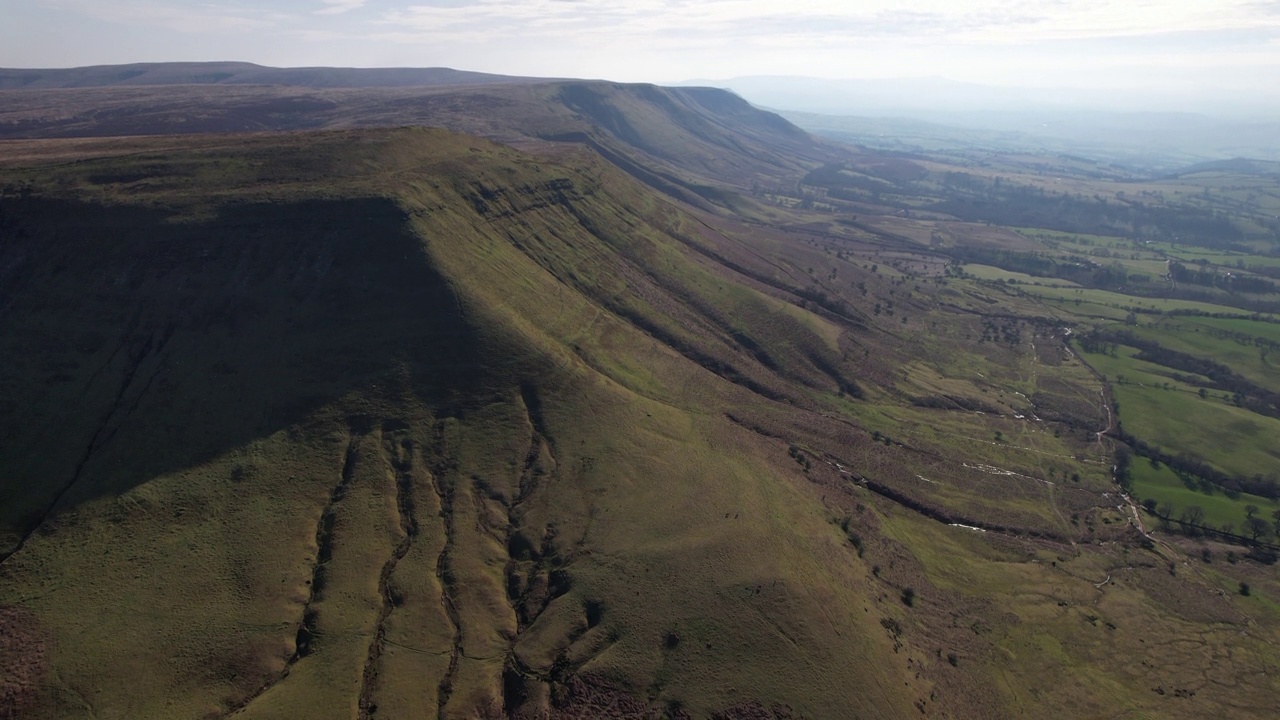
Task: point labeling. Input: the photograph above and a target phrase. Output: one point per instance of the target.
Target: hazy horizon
(912, 96)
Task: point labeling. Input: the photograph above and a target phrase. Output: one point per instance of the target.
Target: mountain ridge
(685, 141)
(243, 73)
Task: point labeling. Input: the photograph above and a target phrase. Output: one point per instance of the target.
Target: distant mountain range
(242, 73)
(887, 113)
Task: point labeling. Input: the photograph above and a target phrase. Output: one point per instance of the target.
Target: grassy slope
(444, 381)
(481, 431)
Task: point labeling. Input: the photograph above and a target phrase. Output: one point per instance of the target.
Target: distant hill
(678, 140)
(1242, 166)
(242, 73)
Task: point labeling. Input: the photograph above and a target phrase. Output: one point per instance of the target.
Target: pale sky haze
(1193, 46)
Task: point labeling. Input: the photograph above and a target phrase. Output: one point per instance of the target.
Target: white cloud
(338, 7)
(711, 23)
(1003, 41)
(974, 21)
(185, 17)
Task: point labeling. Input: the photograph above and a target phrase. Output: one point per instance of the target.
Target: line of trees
(1081, 270)
(1257, 531)
(1189, 466)
(1208, 277)
(1190, 312)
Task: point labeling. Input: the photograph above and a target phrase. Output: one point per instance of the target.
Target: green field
(1174, 416)
(1193, 336)
(1226, 259)
(987, 272)
(1164, 486)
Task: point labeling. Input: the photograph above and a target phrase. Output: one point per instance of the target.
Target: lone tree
(1257, 528)
(1124, 456)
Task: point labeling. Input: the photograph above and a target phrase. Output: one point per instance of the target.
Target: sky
(1196, 46)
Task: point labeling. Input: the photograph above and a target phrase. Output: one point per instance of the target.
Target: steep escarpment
(692, 143)
(371, 440)
(276, 309)
(706, 132)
